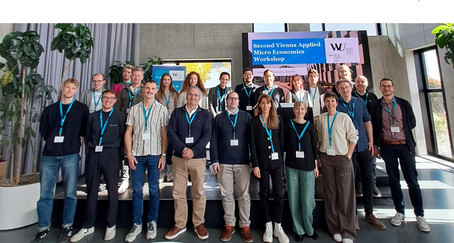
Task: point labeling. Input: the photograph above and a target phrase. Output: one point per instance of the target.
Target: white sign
(342, 50)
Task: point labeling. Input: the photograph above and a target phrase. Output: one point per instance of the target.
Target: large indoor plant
(445, 39)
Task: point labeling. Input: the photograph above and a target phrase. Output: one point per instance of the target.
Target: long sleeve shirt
(343, 132)
(261, 147)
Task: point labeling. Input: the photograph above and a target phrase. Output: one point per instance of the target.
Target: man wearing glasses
(92, 97)
(392, 121)
(104, 138)
(189, 132)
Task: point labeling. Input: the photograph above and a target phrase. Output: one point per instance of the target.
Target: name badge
(59, 139)
(274, 156)
(300, 154)
(249, 108)
(331, 152)
(98, 149)
(395, 129)
(189, 139)
(145, 136)
(357, 132)
(233, 142)
(127, 110)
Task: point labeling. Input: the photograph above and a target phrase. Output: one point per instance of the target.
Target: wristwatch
(164, 155)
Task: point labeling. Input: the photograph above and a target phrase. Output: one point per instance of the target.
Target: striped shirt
(158, 118)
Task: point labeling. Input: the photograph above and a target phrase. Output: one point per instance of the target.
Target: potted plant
(148, 67)
(445, 39)
(20, 85)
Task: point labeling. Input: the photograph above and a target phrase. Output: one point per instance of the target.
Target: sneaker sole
(175, 235)
(201, 237)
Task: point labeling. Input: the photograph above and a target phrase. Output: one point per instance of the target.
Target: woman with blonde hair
(193, 79)
(267, 138)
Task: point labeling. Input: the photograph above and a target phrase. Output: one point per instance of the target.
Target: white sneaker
(422, 224)
(135, 230)
(123, 186)
(280, 234)
(151, 230)
(268, 235)
(81, 234)
(110, 233)
(397, 219)
(347, 240)
(337, 237)
(101, 187)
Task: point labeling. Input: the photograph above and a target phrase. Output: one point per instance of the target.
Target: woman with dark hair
(167, 95)
(193, 79)
(267, 137)
(296, 91)
(301, 170)
(336, 141)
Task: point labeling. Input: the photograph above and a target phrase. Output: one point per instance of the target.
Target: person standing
(316, 92)
(301, 170)
(337, 138)
(145, 146)
(62, 125)
(296, 91)
(92, 97)
(104, 138)
(193, 79)
(267, 139)
(246, 91)
(392, 120)
(216, 95)
(361, 92)
(126, 75)
(129, 96)
(276, 93)
(364, 149)
(189, 133)
(229, 152)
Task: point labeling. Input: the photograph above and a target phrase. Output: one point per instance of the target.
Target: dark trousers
(105, 163)
(363, 161)
(278, 193)
(392, 154)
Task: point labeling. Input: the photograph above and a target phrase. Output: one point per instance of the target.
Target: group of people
(149, 129)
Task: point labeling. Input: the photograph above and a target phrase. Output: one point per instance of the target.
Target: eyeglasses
(386, 86)
(193, 95)
(233, 98)
(109, 98)
(97, 81)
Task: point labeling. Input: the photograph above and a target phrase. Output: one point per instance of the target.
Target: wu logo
(338, 46)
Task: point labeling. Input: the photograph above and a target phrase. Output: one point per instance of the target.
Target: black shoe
(41, 235)
(66, 234)
(299, 238)
(314, 236)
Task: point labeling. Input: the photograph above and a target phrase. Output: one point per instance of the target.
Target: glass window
(269, 27)
(371, 28)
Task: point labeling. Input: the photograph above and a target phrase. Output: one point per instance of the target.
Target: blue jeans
(49, 167)
(149, 162)
(391, 154)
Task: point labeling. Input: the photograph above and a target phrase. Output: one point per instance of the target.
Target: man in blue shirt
(362, 156)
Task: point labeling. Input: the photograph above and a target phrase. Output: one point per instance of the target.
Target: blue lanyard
(330, 129)
(350, 113)
(269, 133)
(221, 99)
(365, 100)
(167, 100)
(132, 96)
(387, 110)
(233, 123)
(146, 114)
(190, 121)
(313, 96)
(103, 127)
(266, 90)
(94, 99)
(299, 135)
(63, 117)
(248, 94)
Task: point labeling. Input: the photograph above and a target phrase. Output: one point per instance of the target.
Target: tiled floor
(436, 178)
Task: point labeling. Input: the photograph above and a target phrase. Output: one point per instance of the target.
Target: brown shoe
(226, 235)
(356, 222)
(246, 234)
(201, 232)
(371, 219)
(174, 233)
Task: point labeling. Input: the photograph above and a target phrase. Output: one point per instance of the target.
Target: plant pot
(18, 206)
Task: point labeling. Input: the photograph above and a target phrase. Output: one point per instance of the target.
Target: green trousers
(300, 187)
